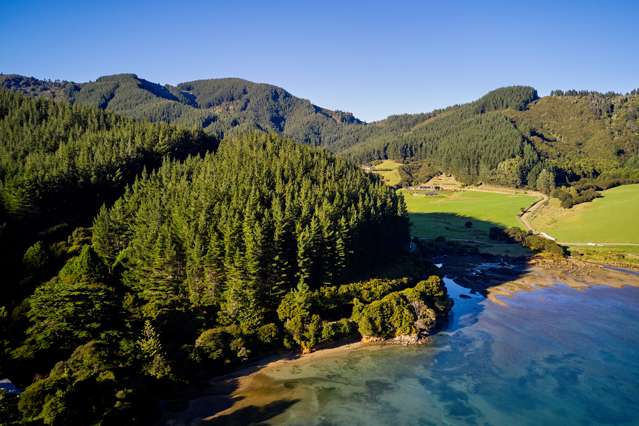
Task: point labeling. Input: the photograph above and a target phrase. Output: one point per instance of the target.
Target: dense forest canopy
(202, 257)
(242, 227)
(76, 145)
(59, 163)
(470, 141)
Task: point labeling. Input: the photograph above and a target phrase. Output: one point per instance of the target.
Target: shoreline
(542, 273)
(251, 386)
(537, 267)
(226, 394)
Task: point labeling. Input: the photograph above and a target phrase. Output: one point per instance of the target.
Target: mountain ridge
(508, 136)
(219, 106)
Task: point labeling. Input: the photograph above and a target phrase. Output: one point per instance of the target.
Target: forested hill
(508, 137)
(202, 257)
(219, 106)
(59, 163)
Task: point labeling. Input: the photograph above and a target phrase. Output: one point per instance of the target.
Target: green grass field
(389, 171)
(488, 207)
(446, 215)
(611, 219)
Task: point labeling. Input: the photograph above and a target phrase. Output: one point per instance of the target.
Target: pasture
(489, 207)
(614, 218)
(465, 215)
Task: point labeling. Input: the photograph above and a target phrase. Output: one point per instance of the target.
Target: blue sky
(371, 58)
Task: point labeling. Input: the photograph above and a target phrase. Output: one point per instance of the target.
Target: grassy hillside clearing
(610, 219)
(389, 171)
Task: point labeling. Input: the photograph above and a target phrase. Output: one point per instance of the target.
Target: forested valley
(570, 144)
(141, 258)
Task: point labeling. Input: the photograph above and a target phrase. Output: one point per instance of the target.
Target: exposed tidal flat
(533, 344)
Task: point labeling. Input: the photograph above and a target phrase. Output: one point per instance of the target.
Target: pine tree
(241, 303)
(151, 348)
(281, 268)
(546, 181)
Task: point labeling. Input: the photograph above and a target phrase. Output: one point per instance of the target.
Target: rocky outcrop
(426, 317)
(407, 339)
(424, 323)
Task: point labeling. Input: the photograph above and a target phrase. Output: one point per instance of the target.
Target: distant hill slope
(219, 106)
(508, 137)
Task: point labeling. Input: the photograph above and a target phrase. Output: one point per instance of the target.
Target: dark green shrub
(389, 317)
(296, 312)
(212, 345)
(335, 330)
(35, 258)
(407, 312)
(535, 243)
(62, 397)
(268, 334)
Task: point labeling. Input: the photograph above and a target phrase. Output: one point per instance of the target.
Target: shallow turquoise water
(554, 356)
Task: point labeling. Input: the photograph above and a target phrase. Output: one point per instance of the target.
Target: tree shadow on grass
(468, 253)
